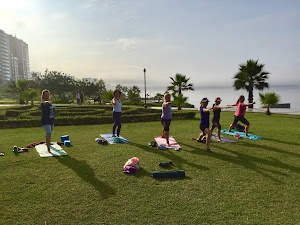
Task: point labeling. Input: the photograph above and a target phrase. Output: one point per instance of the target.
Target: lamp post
(145, 87)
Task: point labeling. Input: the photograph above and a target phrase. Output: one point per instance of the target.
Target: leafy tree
(158, 97)
(180, 100)
(35, 81)
(178, 85)
(134, 95)
(94, 88)
(124, 91)
(269, 99)
(59, 84)
(251, 75)
(101, 89)
(108, 96)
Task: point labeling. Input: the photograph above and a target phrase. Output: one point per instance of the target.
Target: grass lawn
(249, 182)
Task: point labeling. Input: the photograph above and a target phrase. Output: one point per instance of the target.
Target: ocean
(287, 94)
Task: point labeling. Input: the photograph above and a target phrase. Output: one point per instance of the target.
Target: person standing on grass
(117, 110)
(204, 123)
(216, 119)
(166, 118)
(240, 113)
(47, 120)
(78, 97)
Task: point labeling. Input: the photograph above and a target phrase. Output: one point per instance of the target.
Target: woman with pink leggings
(240, 113)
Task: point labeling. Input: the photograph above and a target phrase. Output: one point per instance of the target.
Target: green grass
(249, 182)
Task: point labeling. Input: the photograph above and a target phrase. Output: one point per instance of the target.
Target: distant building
(5, 73)
(14, 59)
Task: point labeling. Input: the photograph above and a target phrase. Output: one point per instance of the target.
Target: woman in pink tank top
(240, 113)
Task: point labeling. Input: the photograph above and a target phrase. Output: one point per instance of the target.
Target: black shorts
(203, 127)
(240, 118)
(166, 124)
(216, 123)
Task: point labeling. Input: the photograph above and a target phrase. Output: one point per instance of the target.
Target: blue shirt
(204, 117)
(166, 112)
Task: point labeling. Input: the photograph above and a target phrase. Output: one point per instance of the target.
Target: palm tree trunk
(268, 110)
(250, 97)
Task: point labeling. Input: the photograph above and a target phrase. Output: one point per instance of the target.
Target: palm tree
(158, 97)
(178, 85)
(269, 99)
(33, 94)
(180, 100)
(250, 76)
(19, 89)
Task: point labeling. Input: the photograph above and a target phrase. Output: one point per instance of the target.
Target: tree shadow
(169, 153)
(141, 172)
(250, 162)
(86, 173)
(266, 147)
(283, 142)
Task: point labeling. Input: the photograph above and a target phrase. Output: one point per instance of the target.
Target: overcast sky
(116, 40)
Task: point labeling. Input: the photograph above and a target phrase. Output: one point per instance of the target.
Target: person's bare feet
(49, 151)
(168, 145)
(163, 137)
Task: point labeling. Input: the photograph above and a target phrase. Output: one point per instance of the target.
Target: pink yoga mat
(173, 143)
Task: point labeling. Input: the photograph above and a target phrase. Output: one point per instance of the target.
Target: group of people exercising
(47, 118)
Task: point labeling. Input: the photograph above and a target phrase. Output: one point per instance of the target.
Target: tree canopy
(251, 75)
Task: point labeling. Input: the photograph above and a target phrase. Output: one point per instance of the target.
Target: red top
(241, 109)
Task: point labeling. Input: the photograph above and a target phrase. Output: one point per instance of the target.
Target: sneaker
(114, 135)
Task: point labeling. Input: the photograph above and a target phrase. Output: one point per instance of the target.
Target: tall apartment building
(14, 59)
(5, 73)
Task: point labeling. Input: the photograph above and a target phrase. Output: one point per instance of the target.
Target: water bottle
(16, 149)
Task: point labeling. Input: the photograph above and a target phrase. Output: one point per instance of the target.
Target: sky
(116, 39)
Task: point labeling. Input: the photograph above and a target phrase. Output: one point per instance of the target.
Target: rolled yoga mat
(168, 174)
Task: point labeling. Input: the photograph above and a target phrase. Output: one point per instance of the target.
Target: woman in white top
(117, 110)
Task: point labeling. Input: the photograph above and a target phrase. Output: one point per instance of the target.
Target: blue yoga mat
(242, 134)
(110, 138)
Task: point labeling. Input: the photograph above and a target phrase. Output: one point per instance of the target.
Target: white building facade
(14, 59)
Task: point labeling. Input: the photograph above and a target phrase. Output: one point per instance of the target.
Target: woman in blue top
(117, 110)
(47, 120)
(166, 117)
(204, 123)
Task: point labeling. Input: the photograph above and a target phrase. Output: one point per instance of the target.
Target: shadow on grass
(86, 173)
(250, 162)
(177, 160)
(141, 173)
(283, 142)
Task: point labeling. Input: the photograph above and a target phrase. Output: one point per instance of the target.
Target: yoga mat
(110, 138)
(214, 137)
(242, 134)
(56, 150)
(173, 143)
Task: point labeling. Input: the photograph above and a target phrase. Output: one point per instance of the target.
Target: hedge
(82, 120)
(2, 115)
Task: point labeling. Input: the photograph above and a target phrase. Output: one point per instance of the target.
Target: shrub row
(2, 115)
(84, 120)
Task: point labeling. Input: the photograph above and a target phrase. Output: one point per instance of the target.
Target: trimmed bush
(12, 113)
(2, 115)
(79, 115)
